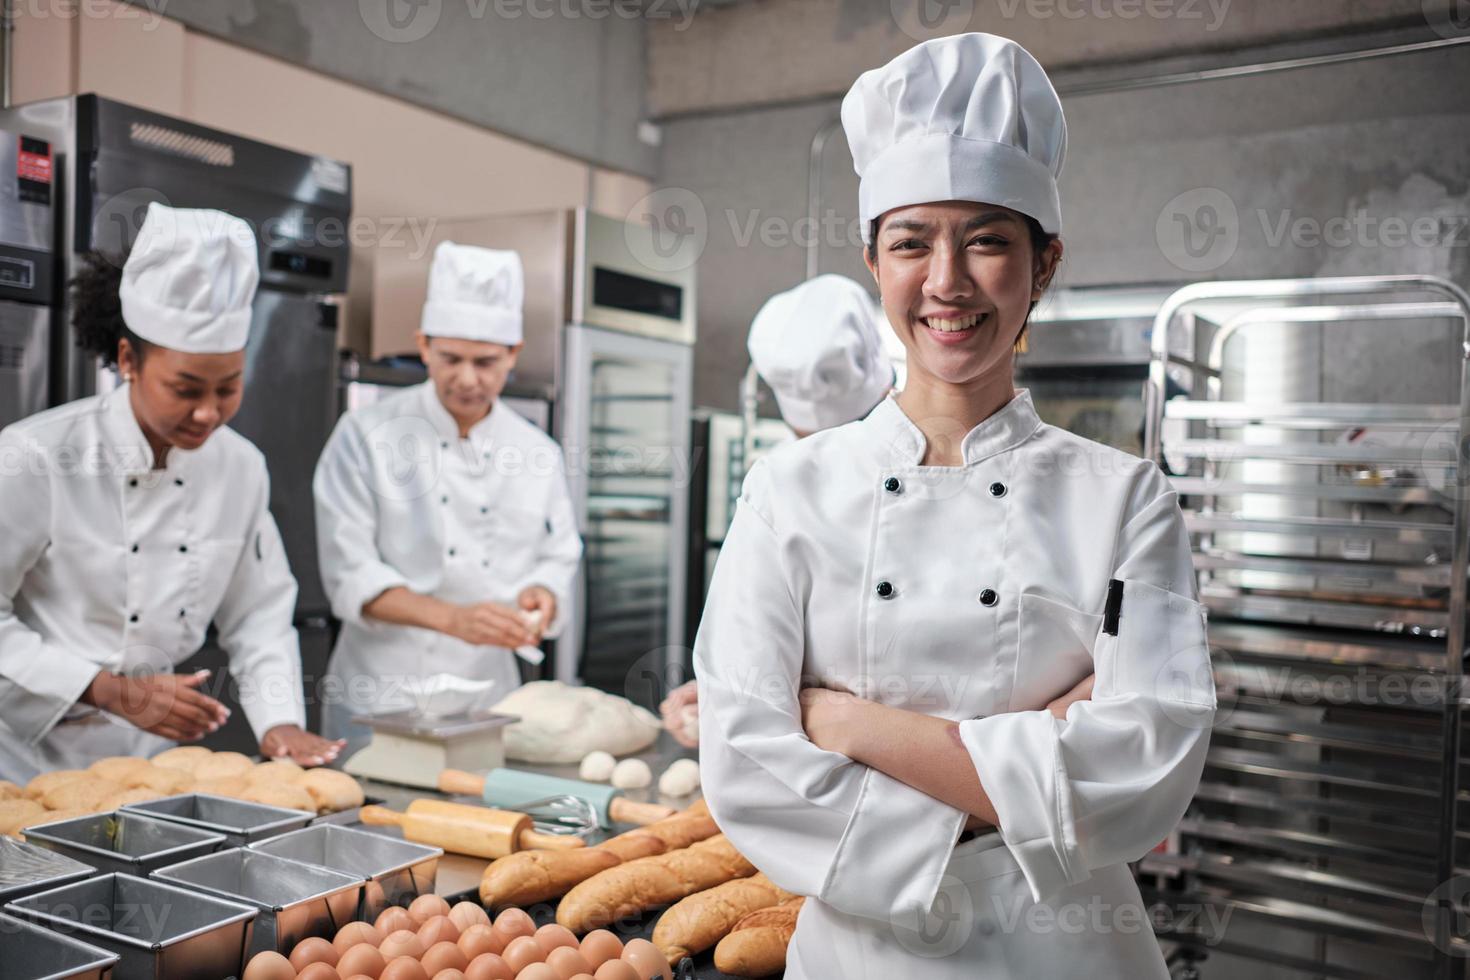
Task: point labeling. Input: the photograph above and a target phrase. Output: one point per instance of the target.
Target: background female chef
(944, 568)
(132, 520)
(444, 524)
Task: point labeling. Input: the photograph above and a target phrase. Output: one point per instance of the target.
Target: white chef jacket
(402, 500)
(109, 564)
(974, 593)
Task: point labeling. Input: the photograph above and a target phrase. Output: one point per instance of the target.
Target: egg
(361, 976)
(354, 934)
(313, 950)
(521, 952)
(466, 914)
(513, 923)
(393, 919)
(538, 971)
(599, 946)
(615, 970)
(551, 935)
(320, 970)
(488, 966)
(647, 959)
(444, 956)
(438, 929)
(425, 907)
(363, 959)
(448, 975)
(401, 943)
(404, 968)
(269, 966)
(567, 962)
(480, 939)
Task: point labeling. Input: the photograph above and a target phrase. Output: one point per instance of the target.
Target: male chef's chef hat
(474, 294)
(817, 346)
(190, 279)
(971, 117)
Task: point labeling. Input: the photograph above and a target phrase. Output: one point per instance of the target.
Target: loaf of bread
(125, 796)
(185, 757)
(117, 767)
(84, 794)
(10, 791)
(287, 795)
(696, 923)
(13, 813)
(275, 771)
(636, 886)
(160, 779)
(222, 765)
(331, 790)
(756, 947)
(527, 877)
(47, 781)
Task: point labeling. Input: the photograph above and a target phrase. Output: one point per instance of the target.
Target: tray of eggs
(433, 940)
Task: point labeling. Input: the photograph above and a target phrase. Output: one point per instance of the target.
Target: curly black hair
(96, 310)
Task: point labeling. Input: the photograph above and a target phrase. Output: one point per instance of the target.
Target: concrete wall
(1351, 168)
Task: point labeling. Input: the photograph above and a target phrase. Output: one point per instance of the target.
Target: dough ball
(597, 767)
(117, 767)
(332, 790)
(222, 765)
(275, 771)
(689, 723)
(561, 723)
(47, 781)
(184, 757)
(125, 796)
(13, 813)
(680, 779)
(230, 786)
(160, 780)
(81, 794)
(10, 791)
(631, 774)
(288, 795)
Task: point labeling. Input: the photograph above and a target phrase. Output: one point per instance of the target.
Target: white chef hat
(971, 117)
(817, 346)
(475, 294)
(190, 279)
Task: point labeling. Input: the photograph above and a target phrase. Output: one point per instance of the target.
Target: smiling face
(957, 280)
(180, 399)
(468, 375)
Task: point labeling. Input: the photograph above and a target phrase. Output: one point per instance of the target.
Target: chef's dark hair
(96, 311)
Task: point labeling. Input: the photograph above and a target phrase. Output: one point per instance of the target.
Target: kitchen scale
(412, 748)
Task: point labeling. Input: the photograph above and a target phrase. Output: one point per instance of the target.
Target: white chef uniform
(109, 564)
(975, 593)
(402, 500)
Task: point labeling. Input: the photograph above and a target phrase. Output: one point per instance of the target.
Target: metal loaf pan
(239, 822)
(395, 872)
(127, 843)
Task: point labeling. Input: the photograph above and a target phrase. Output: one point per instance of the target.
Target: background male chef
(445, 528)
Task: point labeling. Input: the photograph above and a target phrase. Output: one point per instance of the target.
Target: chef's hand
(489, 624)
(538, 598)
(164, 704)
(827, 717)
(302, 748)
(680, 711)
(1082, 692)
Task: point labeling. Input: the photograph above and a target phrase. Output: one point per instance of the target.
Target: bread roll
(117, 767)
(159, 779)
(275, 771)
(332, 790)
(279, 794)
(231, 786)
(15, 812)
(756, 947)
(696, 923)
(184, 757)
(10, 791)
(222, 765)
(636, 886)
(81, 794)
(47, 781)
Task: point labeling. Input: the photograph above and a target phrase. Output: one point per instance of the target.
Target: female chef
(132, 520)
(898, 598)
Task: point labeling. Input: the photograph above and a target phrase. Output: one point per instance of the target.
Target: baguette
(696, 923)
(646, 883)
(756, 947)
(527, 877)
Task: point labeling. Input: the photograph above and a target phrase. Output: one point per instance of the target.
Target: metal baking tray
(295, 900)
(395, 871)
(240, 822)
(33, 953)
(128, 843)
(157, 931)
(29, 868)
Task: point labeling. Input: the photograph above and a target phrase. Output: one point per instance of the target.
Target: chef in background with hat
(446, 533)
(131, 521)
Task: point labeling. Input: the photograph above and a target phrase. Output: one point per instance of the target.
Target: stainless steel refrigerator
(27, 273)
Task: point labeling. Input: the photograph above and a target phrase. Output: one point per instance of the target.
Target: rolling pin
(463, 829)
(512, 787)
